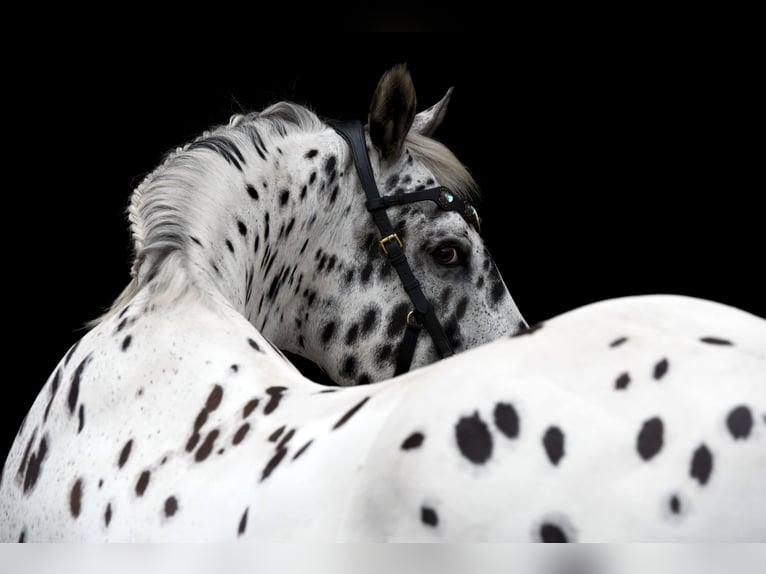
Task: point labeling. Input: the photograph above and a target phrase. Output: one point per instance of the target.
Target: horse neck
(252, 218)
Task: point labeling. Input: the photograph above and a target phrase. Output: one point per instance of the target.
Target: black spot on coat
(473, 439)
(622, 381)
(415, 440)
(552, 533)
(242, 523)
(715, 341)
(618, 342)
(660, 369)
(171, 506)
(143, 482)
(351, 412)
(428, 516)
(75, 498)
(702, 464)
(650, 438)
(553, 441)
(507, 420)
(740, 422)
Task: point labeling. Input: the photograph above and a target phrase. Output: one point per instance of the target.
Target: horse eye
(447, 255)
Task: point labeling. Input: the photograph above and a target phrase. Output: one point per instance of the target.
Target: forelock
(446, 167)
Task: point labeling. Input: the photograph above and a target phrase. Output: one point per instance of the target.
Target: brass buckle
(412, 319)
(390, 238)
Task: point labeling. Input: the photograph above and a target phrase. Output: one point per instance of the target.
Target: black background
(607, 169)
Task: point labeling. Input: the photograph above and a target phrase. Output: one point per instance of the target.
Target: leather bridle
(422, 314)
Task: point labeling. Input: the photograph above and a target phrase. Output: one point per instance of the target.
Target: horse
(178, 417)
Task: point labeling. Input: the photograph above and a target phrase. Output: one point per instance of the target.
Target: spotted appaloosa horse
(176, 418)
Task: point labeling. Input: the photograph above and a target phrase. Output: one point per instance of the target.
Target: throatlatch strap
(352, 132)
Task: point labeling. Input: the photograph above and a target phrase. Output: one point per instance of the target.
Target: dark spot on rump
(81, 418)
(618, 342)
(428, 516)
(273, 462)
(473, 439)
(108, 514)
(622, 381)
(302, 449)
(242, 523)
(309, 154)
(415, 440)
(660, 369)
(214, 399)
(252, 192)
(650, 438)
(312, 177)
(702, 464)
(715, 341)
(284, 196)
(507, 419)
(207, 446)
(275, 396)
(740, 422)
(273, 437)
(285, 439)
(251, 405)
(230, 246)
(75, 498)
(242, 228)
(328, 332)
(553, 441)
(126, 342)
(122, 324)
(23, 536)
(241, 433)
(124, 454)
(351, 412)
(171, 506)
(143, 482)
(191, 444)
(675, 504)
(552, 533)
(349, 276)
(253, 344)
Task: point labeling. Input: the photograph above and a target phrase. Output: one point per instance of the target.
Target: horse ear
(392, 111)
(427, 121)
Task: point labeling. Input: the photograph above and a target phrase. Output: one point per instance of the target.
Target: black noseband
(392, 246)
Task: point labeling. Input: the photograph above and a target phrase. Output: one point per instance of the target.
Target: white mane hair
(161, 206)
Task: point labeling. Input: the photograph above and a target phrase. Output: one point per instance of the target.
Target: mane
(160, 206)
